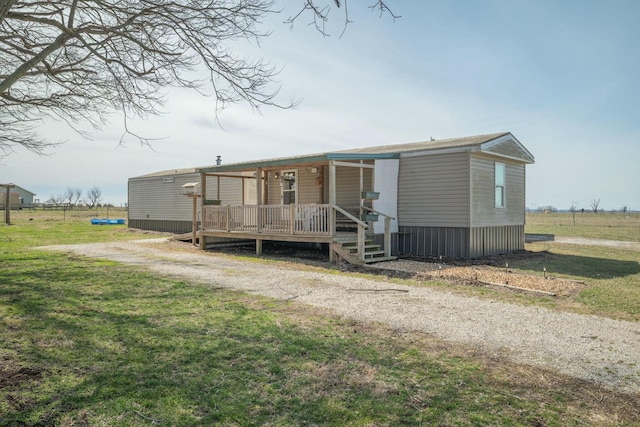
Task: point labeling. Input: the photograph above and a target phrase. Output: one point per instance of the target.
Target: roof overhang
(525, 157)
(294, 161)
(502, 145)
(485, 148)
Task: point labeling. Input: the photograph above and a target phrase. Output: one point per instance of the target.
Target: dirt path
(598, 242)
(596, 349)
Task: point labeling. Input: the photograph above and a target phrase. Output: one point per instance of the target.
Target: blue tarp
(105, 221)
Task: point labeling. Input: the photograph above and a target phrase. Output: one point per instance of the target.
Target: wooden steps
(347, 249)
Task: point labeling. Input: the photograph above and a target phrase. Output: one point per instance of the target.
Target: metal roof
(392, 151)
(367, 153)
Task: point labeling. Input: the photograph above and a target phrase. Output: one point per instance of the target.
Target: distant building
(19, 196)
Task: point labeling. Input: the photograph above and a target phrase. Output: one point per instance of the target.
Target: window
(499, 184)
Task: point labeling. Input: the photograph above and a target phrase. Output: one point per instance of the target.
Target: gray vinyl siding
(151, 198)
(274, 190)
(308, 189)
(484, 212)
(230, 189)
(433, 190)
(348, 185)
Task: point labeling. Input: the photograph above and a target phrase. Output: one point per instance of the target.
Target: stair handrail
(361, 229)
(387, 229)
(377, 212)
(351, 217)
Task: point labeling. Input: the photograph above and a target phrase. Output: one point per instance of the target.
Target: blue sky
(563, 77)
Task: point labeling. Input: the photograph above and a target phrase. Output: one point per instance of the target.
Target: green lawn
(90, 342)
(606, 225)
(612, 274)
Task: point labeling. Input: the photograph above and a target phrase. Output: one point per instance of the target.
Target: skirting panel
(496, 240)
(459, 242)
(169, 226)
(378, 239)
(434, 241)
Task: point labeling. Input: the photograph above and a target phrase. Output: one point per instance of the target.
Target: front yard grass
(91, 342)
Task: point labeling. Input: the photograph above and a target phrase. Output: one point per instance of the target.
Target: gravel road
(600, 350)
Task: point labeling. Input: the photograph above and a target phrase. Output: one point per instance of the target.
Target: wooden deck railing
(310, 220)
(276, 219)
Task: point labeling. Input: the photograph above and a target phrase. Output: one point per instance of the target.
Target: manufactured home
(459, 197)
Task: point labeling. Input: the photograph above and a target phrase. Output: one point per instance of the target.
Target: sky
(562, 77)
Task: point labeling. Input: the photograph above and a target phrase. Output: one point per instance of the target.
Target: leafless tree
(55, 199)
(94, 196)
(573, 208)
(82, 60)
(594, 205)
(77, 195)
(72, 195)
(68, 195)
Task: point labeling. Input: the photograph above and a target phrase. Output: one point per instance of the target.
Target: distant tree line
(75, 197)
(594, 207)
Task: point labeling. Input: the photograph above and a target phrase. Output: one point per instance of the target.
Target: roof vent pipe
(218, 160)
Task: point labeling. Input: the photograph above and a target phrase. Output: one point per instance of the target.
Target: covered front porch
(315, 200)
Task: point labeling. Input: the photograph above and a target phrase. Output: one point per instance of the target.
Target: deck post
(387, 236)
(361, 240)
(259, 247)
(332, 198)
(194, 227)
(203, 197)
(259, 202)
(361, 190)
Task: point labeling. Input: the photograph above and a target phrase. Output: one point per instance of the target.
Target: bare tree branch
(80, 61)
(320, 12)
(94, 196)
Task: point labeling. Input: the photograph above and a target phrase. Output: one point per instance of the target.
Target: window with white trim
(499, 175)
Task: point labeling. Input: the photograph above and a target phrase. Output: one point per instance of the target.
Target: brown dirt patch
(17, 376)
(493, 276)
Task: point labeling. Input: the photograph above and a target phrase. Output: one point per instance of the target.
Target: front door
(289, 187)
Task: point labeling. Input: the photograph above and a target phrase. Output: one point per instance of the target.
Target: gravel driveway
(601, 350)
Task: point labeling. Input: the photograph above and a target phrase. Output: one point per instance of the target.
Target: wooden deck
(312, 223)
